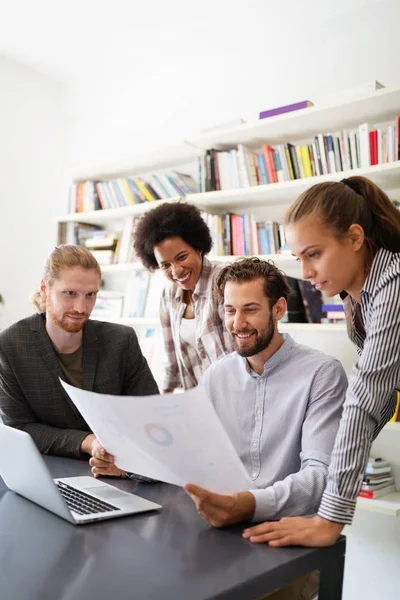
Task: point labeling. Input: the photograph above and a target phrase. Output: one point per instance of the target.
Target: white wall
(32, 182)
(204, 66)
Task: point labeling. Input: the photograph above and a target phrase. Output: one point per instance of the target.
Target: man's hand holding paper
(175, 438)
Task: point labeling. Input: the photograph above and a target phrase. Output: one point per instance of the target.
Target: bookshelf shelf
(134, 321)
(121, 268)
(378, 106)
(161, 158)
(283, 327)
(386, 176)
(279, 259)
(312, 327)
(394, 426)
(388, 505)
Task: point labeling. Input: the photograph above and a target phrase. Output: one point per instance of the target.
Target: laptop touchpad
(106, 493)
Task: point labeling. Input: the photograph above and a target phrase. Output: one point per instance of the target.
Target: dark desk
(170, 554)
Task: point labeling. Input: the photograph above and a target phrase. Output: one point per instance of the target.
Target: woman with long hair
(347, 236)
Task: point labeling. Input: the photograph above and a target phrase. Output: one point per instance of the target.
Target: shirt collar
(379, 264)
(275, 359)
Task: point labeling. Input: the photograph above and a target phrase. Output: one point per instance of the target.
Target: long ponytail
(355, 200)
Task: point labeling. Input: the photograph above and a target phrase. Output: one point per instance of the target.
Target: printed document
(176, 438)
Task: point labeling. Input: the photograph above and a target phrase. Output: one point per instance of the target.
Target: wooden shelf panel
(388, 505)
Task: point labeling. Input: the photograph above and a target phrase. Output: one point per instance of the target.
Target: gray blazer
(31, 396)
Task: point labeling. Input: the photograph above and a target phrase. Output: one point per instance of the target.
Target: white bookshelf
(375, 107)
(388, 505)
(281, 194)
(133, 321)
(279, 259)
(267, 201)
(159, 158)
(121, 268)
(378, 106)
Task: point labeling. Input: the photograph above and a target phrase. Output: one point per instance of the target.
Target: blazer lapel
(90, 353)
(46, 349)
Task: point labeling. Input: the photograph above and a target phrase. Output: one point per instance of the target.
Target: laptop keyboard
(82, 503)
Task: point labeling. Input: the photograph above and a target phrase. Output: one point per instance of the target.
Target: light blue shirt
(282, 423)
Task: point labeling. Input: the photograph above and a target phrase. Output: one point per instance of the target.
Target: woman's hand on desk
(295, 531)
(221, 510)
(102, 462)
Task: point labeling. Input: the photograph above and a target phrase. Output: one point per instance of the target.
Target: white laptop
(79, 500)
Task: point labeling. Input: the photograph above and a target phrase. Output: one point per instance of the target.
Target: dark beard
(261, 342)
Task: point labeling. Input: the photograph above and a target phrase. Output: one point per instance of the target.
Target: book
(358, 90)
(156, 284)
(377, 462)
(136, 293)
(373, 494)
(396, 415)
(108, 305)
(265, 114)
(333, 307)
(372, 470)
(377, 485)
(103, 257)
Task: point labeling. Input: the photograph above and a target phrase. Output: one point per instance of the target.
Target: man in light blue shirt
(280, 403)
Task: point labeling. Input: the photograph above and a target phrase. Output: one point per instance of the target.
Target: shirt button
(254, 444)
(254, 475)
(258, 411)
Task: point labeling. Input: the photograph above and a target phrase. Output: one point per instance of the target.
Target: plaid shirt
(184, 363)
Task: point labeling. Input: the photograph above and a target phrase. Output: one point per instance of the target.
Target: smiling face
(248, 317)
(71, 298)
(330, 263)
(179, 262)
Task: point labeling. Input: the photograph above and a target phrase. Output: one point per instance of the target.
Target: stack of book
(241, 235)
(334, 311)
(378, 480)
(87, 196)
(325, 153)
(102, 245)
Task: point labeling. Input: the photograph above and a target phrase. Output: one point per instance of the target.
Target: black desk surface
(169, 554)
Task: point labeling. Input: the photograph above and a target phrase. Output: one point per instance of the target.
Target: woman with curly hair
(175, 238)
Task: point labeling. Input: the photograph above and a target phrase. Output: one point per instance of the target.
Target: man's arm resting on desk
(295, 531)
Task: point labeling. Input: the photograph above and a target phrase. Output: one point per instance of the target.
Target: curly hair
(170, 219)
(249, 269)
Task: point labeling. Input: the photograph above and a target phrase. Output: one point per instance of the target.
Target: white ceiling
(83, 40)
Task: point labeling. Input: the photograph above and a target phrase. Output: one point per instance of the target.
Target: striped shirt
(185, 364)
(375, 329)
(282, 423)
